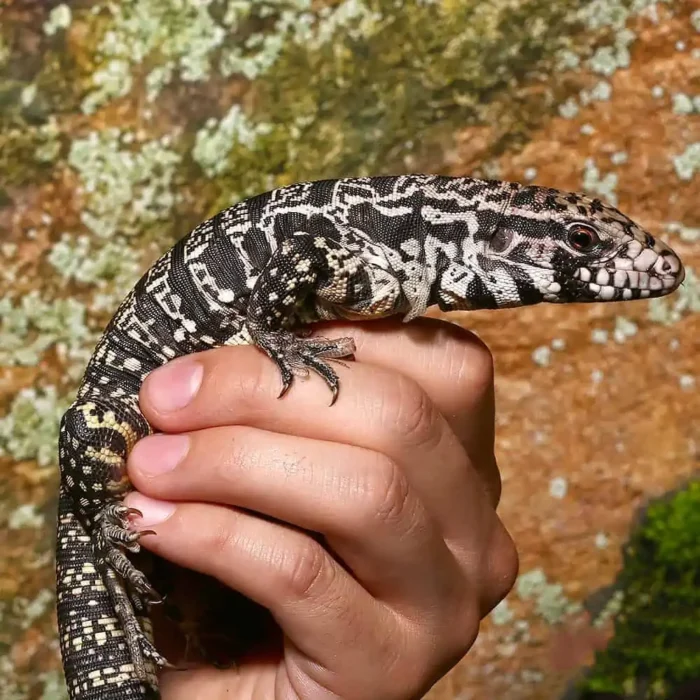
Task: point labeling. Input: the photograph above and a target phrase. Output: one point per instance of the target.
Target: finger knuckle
(457, 628)
(415, 417)
(503, 565)
(481, 357)
(476, 368)
(386, 498)
(464, 356)
(411, 663)
(467, 627)
(303, 570)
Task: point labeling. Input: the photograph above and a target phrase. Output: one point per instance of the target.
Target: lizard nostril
(668, 263)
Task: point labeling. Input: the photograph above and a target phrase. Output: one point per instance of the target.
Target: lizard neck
(458, 231)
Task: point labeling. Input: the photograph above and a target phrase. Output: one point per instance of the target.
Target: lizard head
(561, 247)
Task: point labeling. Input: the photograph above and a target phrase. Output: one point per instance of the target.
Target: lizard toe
(298, 356)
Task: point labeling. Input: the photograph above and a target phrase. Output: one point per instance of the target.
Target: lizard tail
(96, 659)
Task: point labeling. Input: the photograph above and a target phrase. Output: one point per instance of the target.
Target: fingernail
(159, 454)
(173, 386)
(154, 512)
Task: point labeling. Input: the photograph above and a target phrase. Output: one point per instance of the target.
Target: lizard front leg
(312, 278)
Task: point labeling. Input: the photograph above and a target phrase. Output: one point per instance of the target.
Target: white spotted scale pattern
(356, 248)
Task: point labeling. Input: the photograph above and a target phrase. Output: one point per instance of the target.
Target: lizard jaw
(607, 284)
(635, 272)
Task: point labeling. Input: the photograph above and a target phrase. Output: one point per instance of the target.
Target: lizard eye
(501, 240)
(583, 237)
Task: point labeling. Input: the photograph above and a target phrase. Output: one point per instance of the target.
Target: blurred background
(124, 124)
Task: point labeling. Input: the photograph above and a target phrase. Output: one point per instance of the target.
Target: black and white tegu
(356, 248)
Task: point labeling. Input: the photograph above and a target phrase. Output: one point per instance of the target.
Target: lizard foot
(129, 589)
(296, 356)
(113, 535)
(141, 647)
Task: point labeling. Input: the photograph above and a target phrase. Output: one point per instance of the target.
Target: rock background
(123, 124)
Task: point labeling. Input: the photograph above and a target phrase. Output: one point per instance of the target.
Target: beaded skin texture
(258, 273)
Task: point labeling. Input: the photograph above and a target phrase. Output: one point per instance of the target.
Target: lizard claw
(160, 600)
(334, 394)
(295, 356)
(141, 533)
(286, 379)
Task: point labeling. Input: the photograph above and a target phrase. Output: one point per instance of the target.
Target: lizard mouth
(633, 273)
(610, 284)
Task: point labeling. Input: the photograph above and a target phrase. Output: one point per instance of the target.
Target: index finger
(454, 368)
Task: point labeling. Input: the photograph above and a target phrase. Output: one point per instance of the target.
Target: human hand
(398, 478)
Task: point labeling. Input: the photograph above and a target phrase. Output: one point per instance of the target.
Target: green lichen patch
(23, 615)
(656, 645)
(619, 158)
(37, 59)
(235, 130)
(551, 603)
(30, 428)
(609, 59)
(598, 184)
(54, 687)
(600, 92)
(30, 325)
(610, 610)
(175, 36)
(129, 184)
(110, 268)
(615, 14)
(502, 614)
(624, 329)
(25, 516)
(379, 88)
(688, 234)
(608, 48)
(178, 39)
(695, 20)
(688, 162)
(569, 109)
(685, 104)
(59, 19)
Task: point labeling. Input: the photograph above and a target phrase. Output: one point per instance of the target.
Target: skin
(399, 477)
